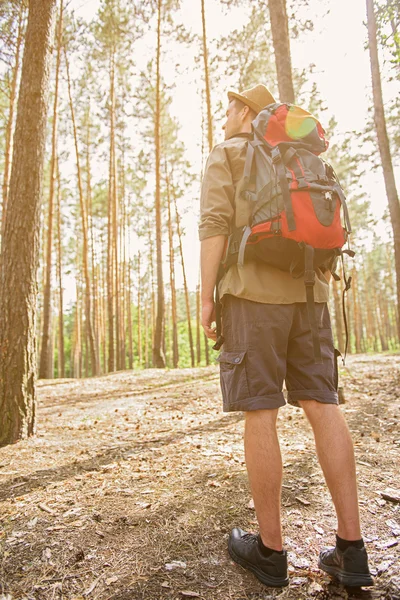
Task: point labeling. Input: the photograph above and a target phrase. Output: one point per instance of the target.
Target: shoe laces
(250, 538)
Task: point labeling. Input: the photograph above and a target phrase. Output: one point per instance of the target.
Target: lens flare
(299, 123)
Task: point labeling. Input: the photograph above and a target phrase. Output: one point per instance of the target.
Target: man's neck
(245, 134)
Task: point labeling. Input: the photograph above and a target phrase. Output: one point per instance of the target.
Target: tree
(281, 41)
(158, 354)
(12, 93)
(20, 252)
(383, 142)
(44, 365)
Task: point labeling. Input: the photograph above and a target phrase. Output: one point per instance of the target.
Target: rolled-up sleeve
(217, 196)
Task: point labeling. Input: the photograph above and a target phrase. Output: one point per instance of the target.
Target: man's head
(238, 118)
(244, 107)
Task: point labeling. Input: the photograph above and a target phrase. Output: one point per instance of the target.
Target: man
(268, 340)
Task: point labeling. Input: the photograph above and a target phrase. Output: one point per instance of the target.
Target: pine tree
(20, 250)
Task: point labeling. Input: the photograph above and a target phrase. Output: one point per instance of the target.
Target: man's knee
(267, 416)
(315, 408)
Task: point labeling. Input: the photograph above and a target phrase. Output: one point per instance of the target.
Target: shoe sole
(261, 576)
(346, 578)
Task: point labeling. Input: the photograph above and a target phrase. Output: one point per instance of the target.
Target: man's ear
(245, 111)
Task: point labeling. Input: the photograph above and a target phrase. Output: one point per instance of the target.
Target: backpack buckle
(276, 227)
(276, 155)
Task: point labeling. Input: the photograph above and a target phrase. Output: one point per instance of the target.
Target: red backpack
(288, 203)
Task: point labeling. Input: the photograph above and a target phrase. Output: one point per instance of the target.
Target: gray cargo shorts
(267, 344)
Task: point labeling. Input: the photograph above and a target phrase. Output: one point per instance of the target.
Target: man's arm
(212, 249)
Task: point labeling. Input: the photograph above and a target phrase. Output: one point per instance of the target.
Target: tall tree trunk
(384, 147)
(10, 119)
(281, 42)
(158, 354)
(357, 316)
(20, 250)
(175, 348)
(45, 354)
(186, 289)
(123, 273)
(77, 352)
(207, 79)
(94, 291)
(139, 318)
(198, 329)
(339, 325)
(146, 333)
(110, 270)
(129, 315)
(88, 310)
(61, 350)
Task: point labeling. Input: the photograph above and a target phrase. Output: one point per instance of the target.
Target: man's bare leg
(336, 456)
(264, 467)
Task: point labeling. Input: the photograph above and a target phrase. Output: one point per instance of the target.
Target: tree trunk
(207, 80)
(88, 310)
(129, 316)
(61, 350)
(123, 273)
(356, 308)
(94, 291)
(187, 299)
(139, 318)
(175, 348)
(10, 120)
(281, 42)
(158, 354)
(20, 253)
(45, 354)
(146, 333)
(198, 329)
(339, 325)
(384, 148)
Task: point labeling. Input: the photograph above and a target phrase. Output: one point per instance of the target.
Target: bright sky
(336, 47)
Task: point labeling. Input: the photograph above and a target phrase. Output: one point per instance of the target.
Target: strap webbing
(248, 163)
(287, 200)
(346, 215)
(242, 247)
(218, 313)
(347, 286)
(309, 281)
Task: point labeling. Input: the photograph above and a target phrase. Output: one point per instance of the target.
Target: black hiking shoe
(244, 549)
(350, 566)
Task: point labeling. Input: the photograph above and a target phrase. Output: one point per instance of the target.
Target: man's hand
(208, 318)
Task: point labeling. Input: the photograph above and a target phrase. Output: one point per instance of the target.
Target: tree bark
(198, 317)
(20, 253)
(45, 354)
(339, 325)
(10, 120)
(139, 317)
(384, 147)
(158, 354)
(175, 349)
(281, 42)
(61, 350)
(186, 289)
(207, 79)
(85, 252)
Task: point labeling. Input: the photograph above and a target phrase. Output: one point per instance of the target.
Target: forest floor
(131, 486)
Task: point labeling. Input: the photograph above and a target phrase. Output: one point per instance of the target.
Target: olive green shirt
(254, 281)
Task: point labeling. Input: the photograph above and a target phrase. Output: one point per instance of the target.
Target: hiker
(267, 339)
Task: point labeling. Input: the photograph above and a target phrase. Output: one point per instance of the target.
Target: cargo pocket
(233, 377)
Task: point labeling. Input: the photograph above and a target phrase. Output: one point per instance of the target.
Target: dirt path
(134, 481)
